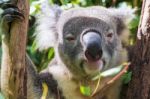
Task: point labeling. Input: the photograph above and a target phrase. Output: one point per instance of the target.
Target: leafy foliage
(85, 90)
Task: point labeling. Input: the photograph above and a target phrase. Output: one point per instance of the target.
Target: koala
(87, 41)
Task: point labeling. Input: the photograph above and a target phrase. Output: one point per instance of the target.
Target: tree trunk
(139, 86)
(13, 69)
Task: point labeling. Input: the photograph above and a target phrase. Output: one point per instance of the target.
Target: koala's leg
(9, 13)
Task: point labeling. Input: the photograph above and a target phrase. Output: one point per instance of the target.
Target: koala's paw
(9, 13)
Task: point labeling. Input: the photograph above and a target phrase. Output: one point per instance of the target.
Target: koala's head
(88, 40)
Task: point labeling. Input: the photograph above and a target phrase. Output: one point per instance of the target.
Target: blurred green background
(41, 59)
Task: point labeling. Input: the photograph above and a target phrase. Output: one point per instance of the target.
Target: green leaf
(33, 47)
(134, 23)
(51, 53)
(35, 7)
(127, 77)
(64, 2)
(110, 72)
(85, 90)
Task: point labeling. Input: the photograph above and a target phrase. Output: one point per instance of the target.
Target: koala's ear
(122, 17)
(46, 33)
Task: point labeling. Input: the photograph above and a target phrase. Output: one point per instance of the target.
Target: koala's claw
(11, 13)
(7, 5)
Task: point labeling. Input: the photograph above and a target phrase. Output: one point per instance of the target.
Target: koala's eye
(70, 37)
(109, 35)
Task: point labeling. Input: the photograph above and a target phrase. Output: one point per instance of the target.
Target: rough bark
(139, 86)
(13, 69)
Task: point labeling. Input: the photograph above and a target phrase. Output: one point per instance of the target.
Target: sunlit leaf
(50, 53)
(85, 90)
(34, 47)
(134, 23)
(110, 72)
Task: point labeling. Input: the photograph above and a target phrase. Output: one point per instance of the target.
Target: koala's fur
(64, 74)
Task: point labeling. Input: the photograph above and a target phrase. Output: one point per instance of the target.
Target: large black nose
(92, 42)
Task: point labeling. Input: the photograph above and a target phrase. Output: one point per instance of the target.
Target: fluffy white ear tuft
(122, 18)
(46, 33)
(125, 14)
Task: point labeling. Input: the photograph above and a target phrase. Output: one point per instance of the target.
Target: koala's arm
(35, 81)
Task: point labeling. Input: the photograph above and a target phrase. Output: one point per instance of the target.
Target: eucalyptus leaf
(85, 90)
(34, 46)
(110, 72)
(134, 23)
(127, 77)
(50, 53)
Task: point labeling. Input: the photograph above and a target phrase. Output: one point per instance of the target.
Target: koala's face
(88, 44)
(88, 40)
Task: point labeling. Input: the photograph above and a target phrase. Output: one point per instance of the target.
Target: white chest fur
(69, 88)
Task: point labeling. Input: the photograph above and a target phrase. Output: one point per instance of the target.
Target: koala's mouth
(92, 67)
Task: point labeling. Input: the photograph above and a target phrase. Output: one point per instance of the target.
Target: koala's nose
(92, 43)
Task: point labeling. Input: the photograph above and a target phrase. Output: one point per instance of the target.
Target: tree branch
(139, 87)
(14, 74)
